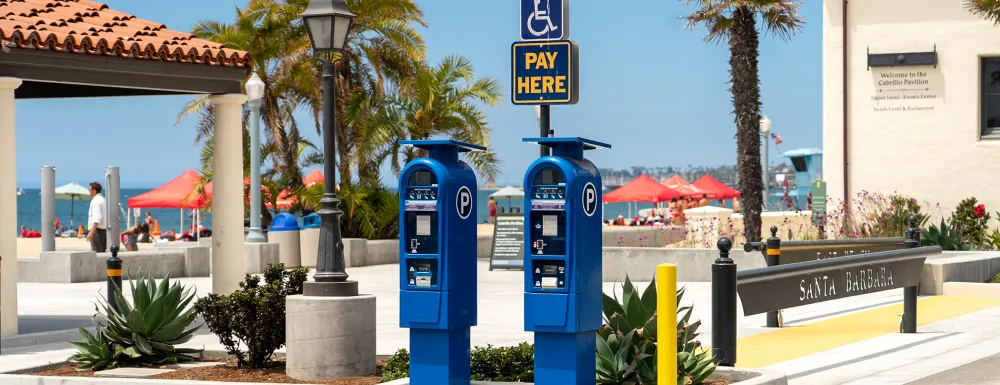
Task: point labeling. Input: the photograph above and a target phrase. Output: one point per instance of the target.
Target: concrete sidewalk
(890, 357)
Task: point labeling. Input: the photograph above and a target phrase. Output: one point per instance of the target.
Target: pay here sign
(545, 72)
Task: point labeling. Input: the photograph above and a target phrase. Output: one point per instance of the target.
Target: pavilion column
(227, 194)
(8, 208)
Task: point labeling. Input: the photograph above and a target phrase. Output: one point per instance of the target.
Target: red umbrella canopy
(715, 189)
(682, 186)
(642, 189)
(173, 195)
(314, 177)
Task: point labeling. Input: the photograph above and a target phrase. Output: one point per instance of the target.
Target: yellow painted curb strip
(801, 340)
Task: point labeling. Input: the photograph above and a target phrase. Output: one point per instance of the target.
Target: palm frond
(986, 9)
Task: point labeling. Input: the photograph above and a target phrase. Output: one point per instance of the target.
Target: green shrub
(505, 363)
(969, 220)
(143, 332)
(254, 315)
(398, 366)
(894, 219)
(489, 363)
(370, 212)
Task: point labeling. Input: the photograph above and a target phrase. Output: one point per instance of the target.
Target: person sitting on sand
(132, 236)
(704, 200)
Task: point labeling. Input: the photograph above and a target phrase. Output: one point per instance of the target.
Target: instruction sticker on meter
(550, 226)
(423, 225)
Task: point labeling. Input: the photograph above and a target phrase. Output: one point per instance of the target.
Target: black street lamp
(328, 22)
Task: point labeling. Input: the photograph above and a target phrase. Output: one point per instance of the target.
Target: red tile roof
(89, 27)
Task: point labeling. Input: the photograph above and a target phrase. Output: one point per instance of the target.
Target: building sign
(818, 202)
(775, 288)
(899, 90)
(508, 243)
(545, 72)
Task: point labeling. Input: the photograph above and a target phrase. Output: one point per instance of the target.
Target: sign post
(818, 203)
(545, 64)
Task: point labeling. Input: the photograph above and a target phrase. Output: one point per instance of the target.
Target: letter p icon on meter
(589, 199)
(463, 202)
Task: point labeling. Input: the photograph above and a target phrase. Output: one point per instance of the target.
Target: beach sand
(32, 247)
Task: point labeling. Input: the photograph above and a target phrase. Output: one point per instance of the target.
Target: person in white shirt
(98, 234)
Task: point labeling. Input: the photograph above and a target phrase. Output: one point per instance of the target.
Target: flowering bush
(871, 215)
(970, 219)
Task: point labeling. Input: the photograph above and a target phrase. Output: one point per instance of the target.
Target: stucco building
(911, 101)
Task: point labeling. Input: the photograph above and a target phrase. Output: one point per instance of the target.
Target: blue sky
(654, 90)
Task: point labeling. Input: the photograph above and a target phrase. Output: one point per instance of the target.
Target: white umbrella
(72, 192)
(508, 192)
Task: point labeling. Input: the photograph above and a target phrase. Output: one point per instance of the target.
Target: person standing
(98, 234)
(493, 210)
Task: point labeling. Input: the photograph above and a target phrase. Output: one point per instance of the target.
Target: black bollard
(724, 306)
(114, 276)
(909, 324)
(772, 259)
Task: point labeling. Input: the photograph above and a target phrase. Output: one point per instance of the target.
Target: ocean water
(611, 210)
(29, 212)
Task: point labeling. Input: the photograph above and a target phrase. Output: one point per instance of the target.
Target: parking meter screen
(421, 213)
(548, 213)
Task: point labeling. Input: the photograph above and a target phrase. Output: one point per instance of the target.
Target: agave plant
(147, 329)
(95, 352)
(944, 236)
(627, 343)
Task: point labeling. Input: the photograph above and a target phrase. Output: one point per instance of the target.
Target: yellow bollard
(666, 320)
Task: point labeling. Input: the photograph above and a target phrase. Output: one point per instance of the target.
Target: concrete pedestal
(256, 257)
(329, 338)
(289, 248)
(309, 246)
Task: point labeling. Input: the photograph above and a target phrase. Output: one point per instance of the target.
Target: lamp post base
(330, 289)
(256, 235)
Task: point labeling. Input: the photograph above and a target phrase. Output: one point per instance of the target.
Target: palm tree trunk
(344, 136)
(743, 48)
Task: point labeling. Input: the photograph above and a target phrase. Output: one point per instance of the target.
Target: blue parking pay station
(437, 239)
(562, 274)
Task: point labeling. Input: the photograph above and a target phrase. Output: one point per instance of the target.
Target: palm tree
(987, 9)
(735, 22)
(440, 100)
(382, 48)
(262, 28)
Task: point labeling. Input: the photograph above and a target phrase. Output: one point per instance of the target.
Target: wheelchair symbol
(541, 15)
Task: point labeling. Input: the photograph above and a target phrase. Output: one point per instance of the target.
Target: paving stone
(131, 372)
(192, 365)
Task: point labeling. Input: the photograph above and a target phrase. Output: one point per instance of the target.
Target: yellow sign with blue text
(545, 72)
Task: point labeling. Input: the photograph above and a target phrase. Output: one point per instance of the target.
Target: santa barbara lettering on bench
(854, 281)
(816, 288)
(869, 279)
